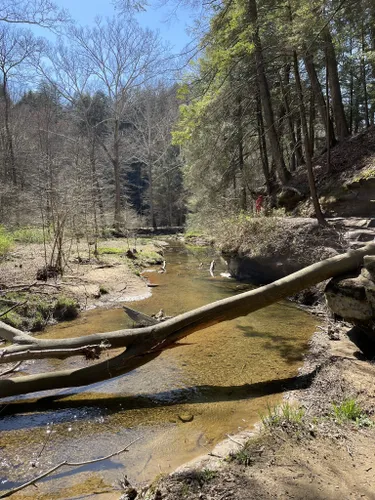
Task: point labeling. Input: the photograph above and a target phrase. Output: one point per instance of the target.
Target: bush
(65, 309)
(111, 250)
(6, 242)
(29, 235)
(281, 415)
(350, 411)
(300, 240)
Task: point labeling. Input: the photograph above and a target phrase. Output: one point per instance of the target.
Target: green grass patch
(207, 475)
(36, 311)
(350, 411)
(65, 309)
(32, 315)
(13, 319)
(283, 414)
(6, 242)
(149, 257)
(193, 233)
(29, 235)
(243, 457)
(110, 250)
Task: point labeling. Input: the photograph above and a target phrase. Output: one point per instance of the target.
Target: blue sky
(171, 28)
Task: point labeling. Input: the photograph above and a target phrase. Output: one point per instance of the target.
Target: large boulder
(352, 298)
(369, 263)
(289, 197)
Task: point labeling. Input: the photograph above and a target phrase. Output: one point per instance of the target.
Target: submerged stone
(186, 417)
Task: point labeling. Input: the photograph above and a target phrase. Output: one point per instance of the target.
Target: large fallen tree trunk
(144, 344)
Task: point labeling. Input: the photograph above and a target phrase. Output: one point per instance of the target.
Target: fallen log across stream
(145, 344)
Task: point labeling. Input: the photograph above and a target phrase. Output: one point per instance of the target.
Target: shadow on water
(286, 347)
(88, 409)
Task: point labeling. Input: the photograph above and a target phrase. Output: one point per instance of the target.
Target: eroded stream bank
(223, 377)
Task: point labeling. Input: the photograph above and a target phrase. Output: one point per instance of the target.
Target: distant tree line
(85, 126)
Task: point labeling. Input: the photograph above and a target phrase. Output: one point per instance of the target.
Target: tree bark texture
(265, 96)
(337, 104)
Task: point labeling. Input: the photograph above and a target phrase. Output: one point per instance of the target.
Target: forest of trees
(91, 136)
(278, 82)
(85, 137)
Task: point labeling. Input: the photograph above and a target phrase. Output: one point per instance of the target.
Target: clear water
(224, 376)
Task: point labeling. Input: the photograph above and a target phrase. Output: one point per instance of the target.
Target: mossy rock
(65, 309)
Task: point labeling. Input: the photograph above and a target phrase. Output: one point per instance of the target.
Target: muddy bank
(114, 276)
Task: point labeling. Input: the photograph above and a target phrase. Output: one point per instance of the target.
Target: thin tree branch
(10, 370)
(67, 464)
(13, 307)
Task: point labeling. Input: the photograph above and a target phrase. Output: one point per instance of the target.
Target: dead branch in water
(67, 464)
(10, 370)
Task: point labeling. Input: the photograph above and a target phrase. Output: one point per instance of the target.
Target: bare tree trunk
(10, 158)
(328, 136)
(364, 82)
(296, 157)
(97, 195)
(151, 193)
(241, 161)
(312, 124)
(337, 104)
(372, 61)
(116, 171)
(144, 344)
(265, 95)
(309, 166)
(299, 137)
(319, 97)
(263, 147)
(351, 89)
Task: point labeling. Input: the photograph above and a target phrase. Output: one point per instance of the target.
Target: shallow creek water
(224, 376)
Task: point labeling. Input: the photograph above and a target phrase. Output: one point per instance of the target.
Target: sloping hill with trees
(278, 83)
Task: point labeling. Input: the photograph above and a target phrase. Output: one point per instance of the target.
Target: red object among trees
(258, 204)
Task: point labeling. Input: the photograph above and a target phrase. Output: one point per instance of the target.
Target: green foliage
(32, 315)
(13, 319)
(6, 242)
(281, 415)
(149, 257)
(65, 309)
(350, 411)
(193, 233)
(29, 235)
(103, 290)
(207, 475)
(110, 250)
(243, 457)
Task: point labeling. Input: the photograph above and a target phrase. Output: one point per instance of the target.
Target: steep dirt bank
(347, 188)
(312, 452)
(105, 281)
(264, 249)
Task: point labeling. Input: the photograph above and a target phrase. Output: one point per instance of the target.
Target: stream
(223, 377)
